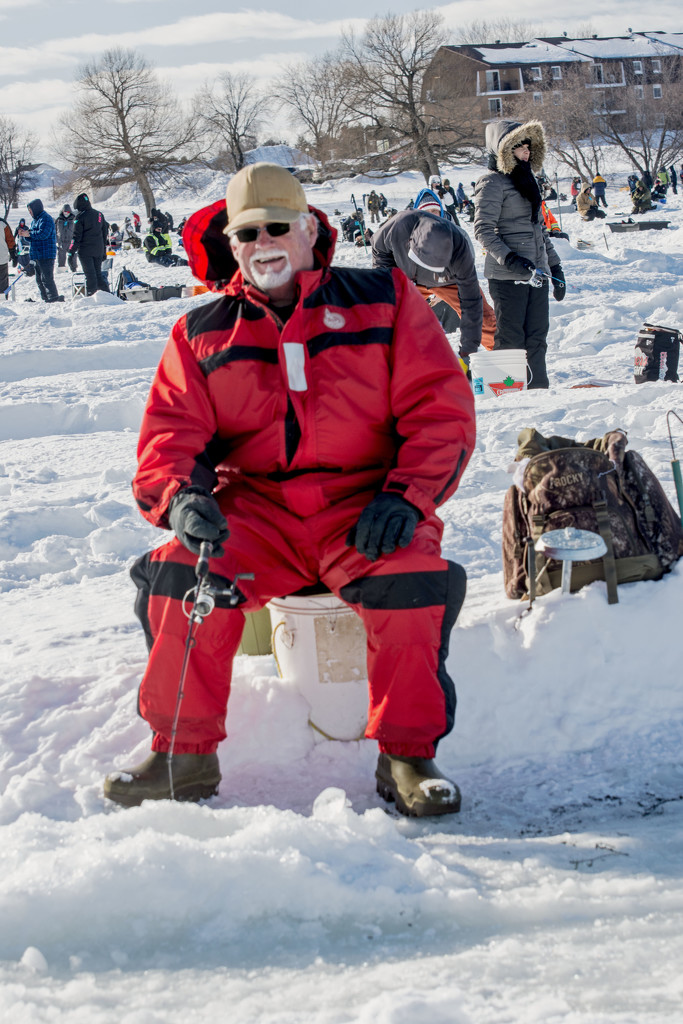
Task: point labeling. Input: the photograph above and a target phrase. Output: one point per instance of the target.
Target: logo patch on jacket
(335, 321)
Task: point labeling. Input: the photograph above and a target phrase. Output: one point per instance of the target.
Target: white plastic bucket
(320, 643)
(500, 372)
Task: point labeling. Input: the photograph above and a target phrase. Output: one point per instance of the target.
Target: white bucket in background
(499, 372)
(320, 643)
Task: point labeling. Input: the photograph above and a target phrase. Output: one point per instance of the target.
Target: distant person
(64, 226)
(159, 248)
(550, 221)
(20, 239)
(43, 250)
(89, 244)
(674, 180)
(373, 207)
(460, 197)
(446, 194)
(574, 189)
(646, 179)
(587, 205)
(115, 240)
(599, 188)
(8, 251)
(642, 198)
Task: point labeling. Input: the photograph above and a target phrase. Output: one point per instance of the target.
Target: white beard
(266, 279)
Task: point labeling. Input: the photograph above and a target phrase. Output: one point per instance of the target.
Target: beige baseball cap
(263, 193)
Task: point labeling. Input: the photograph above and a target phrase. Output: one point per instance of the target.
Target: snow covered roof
(559, 49)
(615, 47)
(536, 51)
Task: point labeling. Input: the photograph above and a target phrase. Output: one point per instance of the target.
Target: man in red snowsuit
(307, 423)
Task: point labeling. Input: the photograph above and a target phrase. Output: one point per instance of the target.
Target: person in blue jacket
(43, 250)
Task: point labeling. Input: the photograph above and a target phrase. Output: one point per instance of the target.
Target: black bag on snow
(125, 280)
(168, 291)
(596, 485)
(656, 354)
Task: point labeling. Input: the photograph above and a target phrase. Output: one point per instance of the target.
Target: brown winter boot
(416, 785)
(195, 777)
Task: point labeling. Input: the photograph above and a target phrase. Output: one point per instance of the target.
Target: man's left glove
(194, 516)
(73, 264)
(559, 287)
(388, 522)
(14, 256)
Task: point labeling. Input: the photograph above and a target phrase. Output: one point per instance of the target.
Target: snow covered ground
(556, 894)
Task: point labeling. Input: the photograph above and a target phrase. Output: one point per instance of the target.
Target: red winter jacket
(373, 396)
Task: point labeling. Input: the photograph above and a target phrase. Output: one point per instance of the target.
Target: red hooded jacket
(358, 390)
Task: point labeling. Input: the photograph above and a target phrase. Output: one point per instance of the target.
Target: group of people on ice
(79, 236)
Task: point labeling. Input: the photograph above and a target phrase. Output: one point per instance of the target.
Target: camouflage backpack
(595, 485)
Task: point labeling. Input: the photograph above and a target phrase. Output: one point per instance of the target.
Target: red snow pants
(408, 602)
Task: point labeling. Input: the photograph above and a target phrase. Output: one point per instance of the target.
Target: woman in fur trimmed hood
(509, 225)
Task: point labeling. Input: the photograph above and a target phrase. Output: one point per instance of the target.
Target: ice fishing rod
(538, 276)
(10, 286)
(675, 464)
(198, 603)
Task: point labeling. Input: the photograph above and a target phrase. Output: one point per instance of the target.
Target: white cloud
(24, 60)
(611, 17)
(24, 98)
(188, 78)
(228, 28)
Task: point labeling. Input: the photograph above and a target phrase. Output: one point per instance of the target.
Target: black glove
(73, 264)
(194, 516)
(559, 287)
(515, 262)
(388, 522)
(14, 256)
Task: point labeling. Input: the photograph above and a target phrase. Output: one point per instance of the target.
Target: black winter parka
(90, 230)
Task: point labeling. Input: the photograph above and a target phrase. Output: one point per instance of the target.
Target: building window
(656, 67)
(536, 75)
(596, 72)
(640, 92)
(556, 73)
(557, 97)
(637, 67)
(496, 108)
(657, 92)
(493, 81)
(538, 98)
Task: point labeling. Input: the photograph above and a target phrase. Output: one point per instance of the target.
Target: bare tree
(572, 130)
(497, 30)
(385, 71)
(230, 111)
(644, 120)
(16, 170)
(314, 93)
(126, 125)
(648, 127)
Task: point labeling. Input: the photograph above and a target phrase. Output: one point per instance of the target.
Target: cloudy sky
(44, 42)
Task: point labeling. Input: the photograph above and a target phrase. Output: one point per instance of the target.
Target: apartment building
(491, 81)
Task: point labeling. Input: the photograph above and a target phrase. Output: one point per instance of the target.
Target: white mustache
(272, 254)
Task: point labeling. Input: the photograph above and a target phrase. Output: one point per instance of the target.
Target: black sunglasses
(251, 234)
